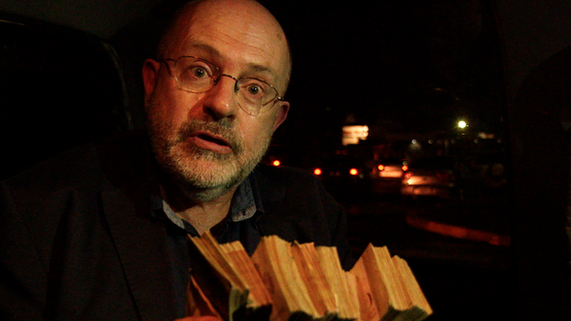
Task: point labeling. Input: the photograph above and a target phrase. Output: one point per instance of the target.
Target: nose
(220, 101)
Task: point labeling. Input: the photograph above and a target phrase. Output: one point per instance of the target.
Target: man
(100, 232)
(213, 103)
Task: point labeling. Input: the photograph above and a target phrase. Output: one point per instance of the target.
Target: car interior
(498, 250)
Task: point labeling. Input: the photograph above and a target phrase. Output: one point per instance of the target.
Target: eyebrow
(252, 67)
(259, 68)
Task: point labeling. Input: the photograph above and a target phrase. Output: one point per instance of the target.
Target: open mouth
(217, 140)
(213, 139)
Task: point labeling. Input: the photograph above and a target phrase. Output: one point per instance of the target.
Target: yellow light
(317, 171)
(381, 167)
(276, 163)
(354, 171)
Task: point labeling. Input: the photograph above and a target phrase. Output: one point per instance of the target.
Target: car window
(59, 88)
(419, 83)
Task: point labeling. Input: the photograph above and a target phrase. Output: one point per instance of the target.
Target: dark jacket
(77, 241)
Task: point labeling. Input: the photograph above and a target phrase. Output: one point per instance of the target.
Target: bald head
(241, 21)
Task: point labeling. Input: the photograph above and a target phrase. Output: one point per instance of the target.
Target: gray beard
(201, 185)
(199, 188)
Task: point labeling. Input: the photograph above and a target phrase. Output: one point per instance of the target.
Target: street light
(462, 124)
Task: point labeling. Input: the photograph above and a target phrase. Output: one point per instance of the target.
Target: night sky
(400, 66)
(396, 66)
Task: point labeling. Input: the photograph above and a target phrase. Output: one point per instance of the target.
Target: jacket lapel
(141, 245)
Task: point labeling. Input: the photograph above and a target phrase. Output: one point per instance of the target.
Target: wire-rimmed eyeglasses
(197, 75)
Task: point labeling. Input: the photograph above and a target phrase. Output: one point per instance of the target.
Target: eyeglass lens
(198, 76)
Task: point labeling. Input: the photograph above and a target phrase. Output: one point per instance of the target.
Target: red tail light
(354, 172)
(317, 171)
(276, 163)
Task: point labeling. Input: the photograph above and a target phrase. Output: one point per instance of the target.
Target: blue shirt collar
(245, 204)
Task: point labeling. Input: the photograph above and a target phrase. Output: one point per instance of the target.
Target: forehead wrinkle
(201, 48)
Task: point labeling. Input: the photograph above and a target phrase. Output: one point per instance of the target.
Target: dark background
(401, 67)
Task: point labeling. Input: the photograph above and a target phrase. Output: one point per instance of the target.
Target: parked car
(389, 169)
(344, 176)
(429, 176)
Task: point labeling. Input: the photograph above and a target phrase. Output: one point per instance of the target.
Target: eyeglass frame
(217, 79)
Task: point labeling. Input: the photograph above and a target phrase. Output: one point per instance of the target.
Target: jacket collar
(141, 245)
(140, 241)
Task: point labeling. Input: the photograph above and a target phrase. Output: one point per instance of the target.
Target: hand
(201, 318)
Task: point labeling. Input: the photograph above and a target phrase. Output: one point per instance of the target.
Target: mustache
(223, 129)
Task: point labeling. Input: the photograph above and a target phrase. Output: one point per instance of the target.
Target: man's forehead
(206, 51)
(252, 38)
(263, 58)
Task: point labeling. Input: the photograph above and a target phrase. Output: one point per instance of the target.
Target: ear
(281, 114)
(150, 73)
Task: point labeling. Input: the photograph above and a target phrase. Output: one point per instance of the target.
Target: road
(462, 279)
